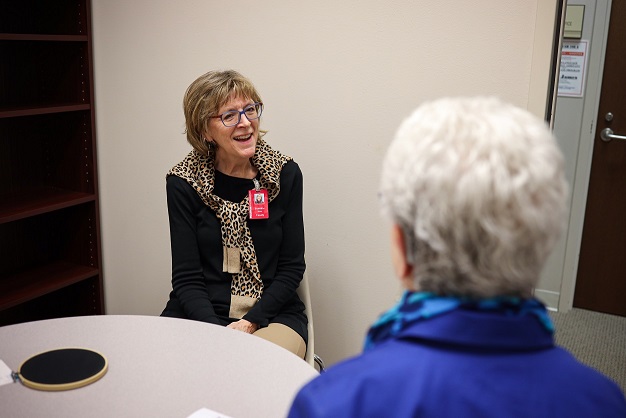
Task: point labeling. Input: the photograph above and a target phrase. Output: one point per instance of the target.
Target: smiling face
(235, 145)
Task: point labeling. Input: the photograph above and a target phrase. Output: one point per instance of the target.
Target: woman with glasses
(235, 212)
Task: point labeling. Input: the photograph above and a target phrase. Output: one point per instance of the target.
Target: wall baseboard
(549, 298)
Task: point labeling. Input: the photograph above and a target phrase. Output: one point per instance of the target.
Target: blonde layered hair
(478, 187)
(206, 95)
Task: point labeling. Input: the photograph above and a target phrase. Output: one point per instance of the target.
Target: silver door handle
(607, 135)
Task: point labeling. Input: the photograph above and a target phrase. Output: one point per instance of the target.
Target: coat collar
(483, 330)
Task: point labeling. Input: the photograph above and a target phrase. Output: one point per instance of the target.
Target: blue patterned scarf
(417, 306)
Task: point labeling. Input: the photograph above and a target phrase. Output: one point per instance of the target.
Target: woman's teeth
(242, 138)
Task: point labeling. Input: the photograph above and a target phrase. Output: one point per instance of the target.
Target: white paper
(5, 374)
(573, 68)
(207, 413)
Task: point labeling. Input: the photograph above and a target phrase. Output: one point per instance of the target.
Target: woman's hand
(243, 325)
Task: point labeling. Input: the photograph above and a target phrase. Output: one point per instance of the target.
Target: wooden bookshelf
(50, 258)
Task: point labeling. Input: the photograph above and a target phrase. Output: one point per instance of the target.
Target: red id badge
(258, 204)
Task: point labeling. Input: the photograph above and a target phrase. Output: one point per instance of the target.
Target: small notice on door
(573, 68)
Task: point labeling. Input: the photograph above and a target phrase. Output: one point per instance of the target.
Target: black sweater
(201, 291)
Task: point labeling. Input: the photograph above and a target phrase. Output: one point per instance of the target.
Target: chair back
(305, 297)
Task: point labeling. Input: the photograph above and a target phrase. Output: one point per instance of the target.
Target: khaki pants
(283, 336)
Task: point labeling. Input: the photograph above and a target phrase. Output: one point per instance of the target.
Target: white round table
(158, 367)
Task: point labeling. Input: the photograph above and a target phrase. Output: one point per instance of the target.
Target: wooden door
(601, 279)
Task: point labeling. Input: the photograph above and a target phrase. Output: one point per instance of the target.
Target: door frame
(579, 188)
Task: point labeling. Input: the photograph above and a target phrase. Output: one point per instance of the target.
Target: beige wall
(337, 78)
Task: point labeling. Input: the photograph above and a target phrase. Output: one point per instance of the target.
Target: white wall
(337, 78)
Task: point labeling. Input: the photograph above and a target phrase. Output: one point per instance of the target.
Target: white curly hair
(478, 187)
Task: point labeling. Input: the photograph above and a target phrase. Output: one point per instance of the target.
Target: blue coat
(463, 364)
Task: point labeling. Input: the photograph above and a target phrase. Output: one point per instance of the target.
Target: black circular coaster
(63, 369)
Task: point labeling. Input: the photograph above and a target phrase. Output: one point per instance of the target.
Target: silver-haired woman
(476, 192)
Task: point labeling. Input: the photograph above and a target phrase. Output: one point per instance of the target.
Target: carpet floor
(596, 339)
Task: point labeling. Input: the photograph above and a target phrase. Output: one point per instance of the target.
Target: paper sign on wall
(573, 68)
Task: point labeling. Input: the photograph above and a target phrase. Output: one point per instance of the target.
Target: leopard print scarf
(199, 171)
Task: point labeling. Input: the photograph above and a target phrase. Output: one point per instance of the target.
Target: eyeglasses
(233, 117)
